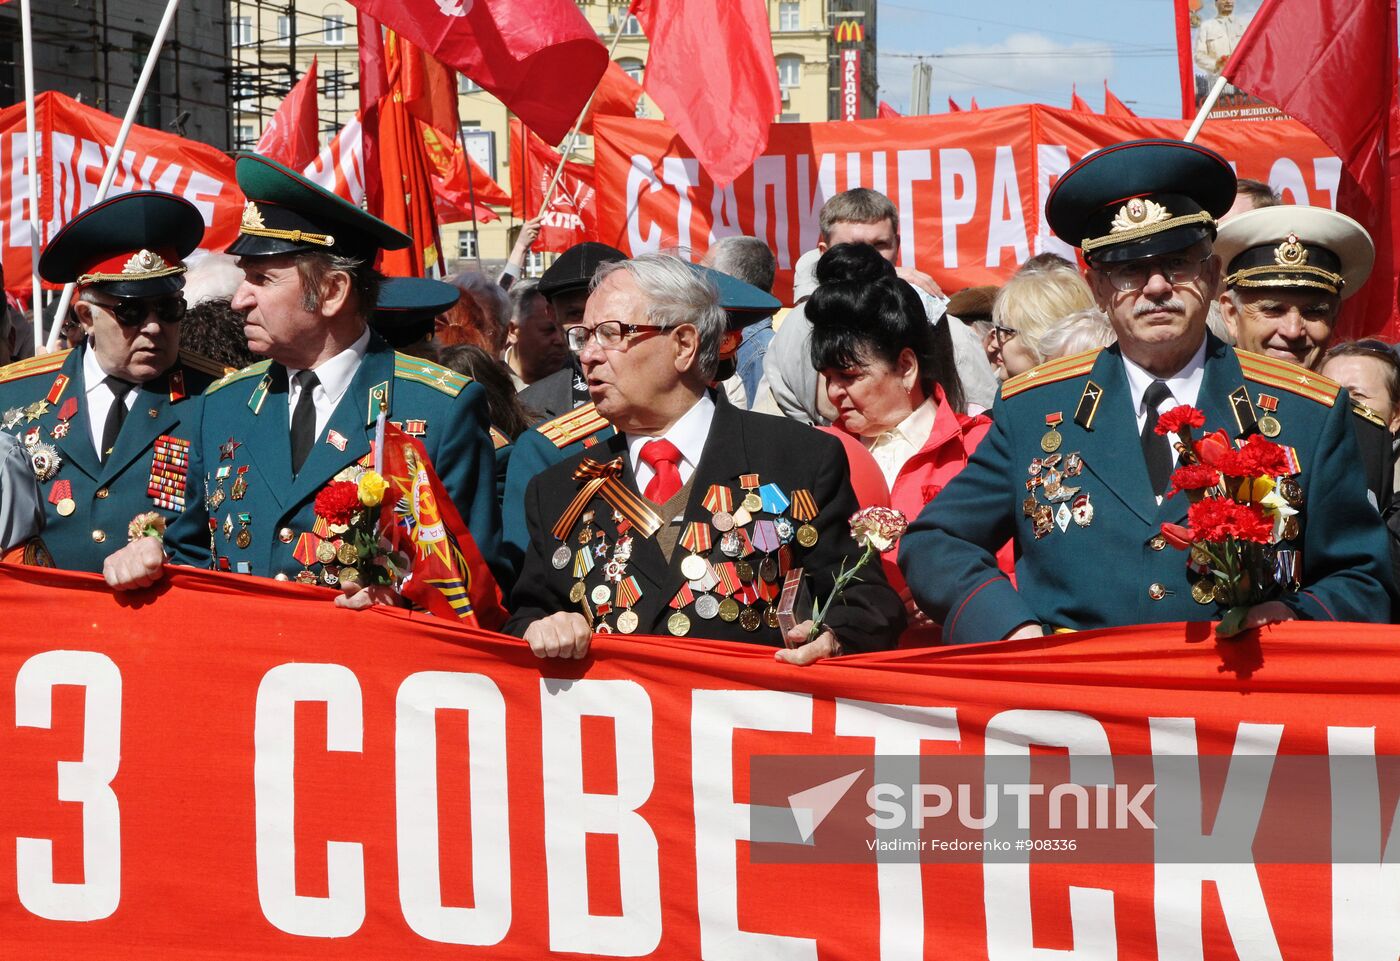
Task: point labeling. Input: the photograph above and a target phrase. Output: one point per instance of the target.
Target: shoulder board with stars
(1366, 413)
(429, 374)
(252, 370)
(205, 365)
(30, 366)
(1061, 368)
(1288, 376)
(573, 426)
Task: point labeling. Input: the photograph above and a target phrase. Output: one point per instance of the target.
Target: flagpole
(137, 94)
(1206, 106)
(33, 150)
(573, 134)
(471, 193)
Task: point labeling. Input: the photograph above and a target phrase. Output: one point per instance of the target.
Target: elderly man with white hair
(690, 518)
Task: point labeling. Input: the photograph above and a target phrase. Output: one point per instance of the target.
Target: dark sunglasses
(133, 313)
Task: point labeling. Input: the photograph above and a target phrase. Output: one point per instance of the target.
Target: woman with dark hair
(889, 374)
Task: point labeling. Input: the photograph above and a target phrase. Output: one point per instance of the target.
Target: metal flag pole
(573, 134)
(32, 147)
(471, 194)
(137, 94)
(1206, 106)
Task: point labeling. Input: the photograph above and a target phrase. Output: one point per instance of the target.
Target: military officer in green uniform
(275, 434)
(107, 427)
(1073, 470)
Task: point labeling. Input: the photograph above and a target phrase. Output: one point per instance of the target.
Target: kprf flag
(571, 216)
(710, 69)
(292, 137)
(541, 58)
(460, 185)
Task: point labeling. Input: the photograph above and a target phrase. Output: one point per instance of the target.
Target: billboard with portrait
(1207, 33)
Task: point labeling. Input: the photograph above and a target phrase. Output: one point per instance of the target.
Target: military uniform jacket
(1108, 565)
(88, 504)
(249, 513)
(780, 452)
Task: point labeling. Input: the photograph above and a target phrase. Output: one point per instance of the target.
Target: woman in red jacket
(890, 377)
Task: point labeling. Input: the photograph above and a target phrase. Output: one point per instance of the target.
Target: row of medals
(696, 570)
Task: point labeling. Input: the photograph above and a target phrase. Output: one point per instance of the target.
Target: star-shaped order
(36, 410)
(227, 448)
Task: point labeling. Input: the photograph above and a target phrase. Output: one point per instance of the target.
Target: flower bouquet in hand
(349, 506)
(876, 529)
(1243, 504)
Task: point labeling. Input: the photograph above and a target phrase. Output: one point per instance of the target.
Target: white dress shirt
(99, 396)
(688, 434)
(1185, 384)
(893, 448)
(334, 375)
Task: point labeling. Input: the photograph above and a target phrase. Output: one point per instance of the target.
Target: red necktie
(664, 459)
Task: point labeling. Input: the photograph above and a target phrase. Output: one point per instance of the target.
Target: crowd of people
(646, 445)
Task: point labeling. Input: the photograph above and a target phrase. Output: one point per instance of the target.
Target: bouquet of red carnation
(349, 506)
(1243, 503)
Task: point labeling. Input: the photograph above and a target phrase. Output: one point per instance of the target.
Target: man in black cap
(275, 434)
(107, 427)
(1075, 472)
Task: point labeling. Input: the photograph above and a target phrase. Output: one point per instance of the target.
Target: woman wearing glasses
(891, 379)
(1027, 309)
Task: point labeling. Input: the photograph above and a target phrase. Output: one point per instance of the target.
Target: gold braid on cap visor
(253, 225)
(143, 265)
(1275, 275)
(1146, 230)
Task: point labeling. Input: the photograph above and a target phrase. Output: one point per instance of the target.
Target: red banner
(74, 144)
(294, 780)
(572, 215)
(970, 189)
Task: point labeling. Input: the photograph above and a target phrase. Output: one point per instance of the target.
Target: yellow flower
(1256, 490)
(372, 487)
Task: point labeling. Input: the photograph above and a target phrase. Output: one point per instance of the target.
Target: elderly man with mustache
(1075, 472)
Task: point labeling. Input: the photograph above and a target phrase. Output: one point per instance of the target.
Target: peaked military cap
(1296, 246)
(286, 213)
(127, 246)
(574, 268)
(743, 302)
(407, 307)
(1140, 199)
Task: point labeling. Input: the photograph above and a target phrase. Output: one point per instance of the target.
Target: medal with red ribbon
(719, 501)
(61, 497)
(697, 539)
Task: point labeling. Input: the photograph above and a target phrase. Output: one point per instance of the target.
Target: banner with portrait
(1207, 32)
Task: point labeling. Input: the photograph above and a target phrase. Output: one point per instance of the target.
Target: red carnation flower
(338, 501)
(1180, 420)
(1215, 519)
(1177, 536)
(1193, 477)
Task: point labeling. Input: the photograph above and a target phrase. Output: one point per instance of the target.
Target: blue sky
(1020, 51)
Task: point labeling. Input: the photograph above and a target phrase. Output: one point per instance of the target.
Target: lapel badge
(1082, 511)
(1074, 464)
(1052, 440)
(1242, 409)
(415, 428)
(45, 460)
(1269, 425)
(1043, 521)
(227, 449)
(337, 440)
(12, 417)
(57, 388)
(36, 410)
(1088, 406)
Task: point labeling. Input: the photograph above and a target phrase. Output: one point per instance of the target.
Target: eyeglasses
(133, 313)
(1003, 334)
(609, 334)
(1177, 268)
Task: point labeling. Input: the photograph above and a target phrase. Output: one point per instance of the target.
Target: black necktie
(1156, 449)
(116, 415)
(303, 420)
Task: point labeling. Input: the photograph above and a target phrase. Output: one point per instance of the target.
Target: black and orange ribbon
(602, 480)
(804, 507)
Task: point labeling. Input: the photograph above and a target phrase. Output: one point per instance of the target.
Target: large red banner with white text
(235, 768)
(74, 142)
(970, 187)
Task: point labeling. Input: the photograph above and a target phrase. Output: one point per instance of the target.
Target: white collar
(688, 434)
(1185, 384)
(93, 374)
(335, 374)
(914, 429)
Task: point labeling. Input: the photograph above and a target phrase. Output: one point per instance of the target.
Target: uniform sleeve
(1345, 552)
(465, 461)
(187, 537)
(949, 555)
(535, 595)
(21, 511)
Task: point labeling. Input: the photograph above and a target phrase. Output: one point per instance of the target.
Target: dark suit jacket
(554, 395)
(781, 452)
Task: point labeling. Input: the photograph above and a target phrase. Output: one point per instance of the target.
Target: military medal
(804, 511)
(1203, 591)
(1290, 490)
(585, 533)
(245, 536)
(1043, 521)
(628, 593)
(337, 440)
(678, 624)
(65, 415)
(36, 410)
(325, 552)
(329, 577)
(583, 563)
(1062, 518)
(744, 571)
(749, 619)
(765, 539)
(417, 428)
(305, 577)
(752, 503)
(1269, 425)
(707, 606)
(305, 552)
(1029, 505)
(61, 497)
(228, 448)
(600, 594)
(217, 498)
(561, 557)
(240, 485)
(719, 501)
(773, 499)
(347, 554)
(696, 539)
(577, 592)
(12, 417)
(628, 621)
(351, 574)
(228, 530)
(170, 464)
(1082, 511)
(728, 583)
(44, 460)
(1052, 439)
(783, 526)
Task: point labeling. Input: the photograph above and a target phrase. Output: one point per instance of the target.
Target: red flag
(885, 111)
(974, 104)
(953, 106)
(450, 577)
(541, 59)
(1112, 106)
(1078, 103)
(374, 77)
(711, 70)
(429, 88)
(1332, 65)
(458, 180)
(408, 194)
(616, 96)
(572, 214)
(340, 166)
(293, 136)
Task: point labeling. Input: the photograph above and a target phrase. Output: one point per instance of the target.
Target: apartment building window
(632, 67)
(789, 71)
(466, 84)
(334, 32)
(284, 30)
(242, 28)
(466, 245)
(790, 15)
(534, 263)
(245, 136)
(631, 27)
(333, 85)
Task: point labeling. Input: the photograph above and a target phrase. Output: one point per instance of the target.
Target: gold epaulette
(573, 426)
(205, 365)
(1366, 413)
(1288, 376)
(429, 374)
(1061, 368)
(233, 377)
(498, 439)
(42, 364)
